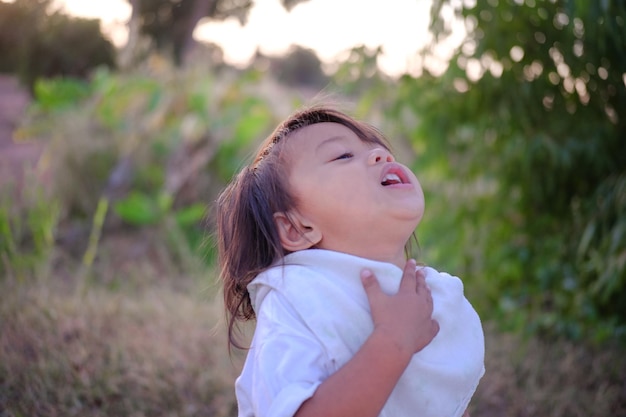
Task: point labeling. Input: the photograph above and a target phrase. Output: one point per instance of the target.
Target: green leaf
(190, 215)
(60, 93)
(138, 209)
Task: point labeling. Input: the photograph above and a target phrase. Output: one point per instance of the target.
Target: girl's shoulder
(442, 283)
(434, 274)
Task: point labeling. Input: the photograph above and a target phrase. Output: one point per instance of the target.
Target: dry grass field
(132, 338)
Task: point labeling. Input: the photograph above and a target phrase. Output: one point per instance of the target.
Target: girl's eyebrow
(328, 141)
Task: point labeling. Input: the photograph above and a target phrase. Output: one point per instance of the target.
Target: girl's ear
(295, 233)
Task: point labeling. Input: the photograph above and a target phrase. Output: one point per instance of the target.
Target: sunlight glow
(329, 27)
(113, 14)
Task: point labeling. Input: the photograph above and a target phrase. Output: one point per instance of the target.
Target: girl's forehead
(308, 140)
(318, 133)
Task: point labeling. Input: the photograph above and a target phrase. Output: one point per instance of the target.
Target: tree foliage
(530, 116)
(17, 21)
(299, 67)
(36, 42)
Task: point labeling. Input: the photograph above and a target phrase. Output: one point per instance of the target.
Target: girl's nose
(380, 155)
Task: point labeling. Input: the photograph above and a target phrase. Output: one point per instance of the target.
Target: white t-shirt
(313, 316)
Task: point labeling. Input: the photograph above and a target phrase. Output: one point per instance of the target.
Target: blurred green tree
(36, 41)
(533, 127)
(299, 67)
(170, 23)
(17, 21)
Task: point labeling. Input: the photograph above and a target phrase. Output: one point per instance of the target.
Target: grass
(557, 378)
(137, 338)
(128, 342)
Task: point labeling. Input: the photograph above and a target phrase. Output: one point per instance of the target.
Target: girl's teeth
(391, 179)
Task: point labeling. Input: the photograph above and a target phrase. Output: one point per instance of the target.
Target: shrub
(36, 42)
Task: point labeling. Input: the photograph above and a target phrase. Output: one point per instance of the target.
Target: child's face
(360, 199)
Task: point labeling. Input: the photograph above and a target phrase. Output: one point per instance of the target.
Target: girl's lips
(392, 172)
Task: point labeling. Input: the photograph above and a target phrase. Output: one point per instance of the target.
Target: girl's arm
(402, 327)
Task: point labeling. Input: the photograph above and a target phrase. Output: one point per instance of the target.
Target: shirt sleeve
(284, 366)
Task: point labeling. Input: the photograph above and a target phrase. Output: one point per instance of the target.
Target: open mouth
(391, 179)
(393, 174)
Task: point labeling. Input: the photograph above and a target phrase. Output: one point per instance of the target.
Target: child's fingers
(420, 281)
(408, 277)
(406, 316)
(370, 284)
(423, 291)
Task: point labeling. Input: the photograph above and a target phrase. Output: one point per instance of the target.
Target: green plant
(520, 147)
(148, 149)
(28, 222)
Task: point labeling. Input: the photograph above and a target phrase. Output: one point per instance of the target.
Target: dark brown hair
(247, 238)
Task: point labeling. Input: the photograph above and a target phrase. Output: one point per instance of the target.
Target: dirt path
(16, 158)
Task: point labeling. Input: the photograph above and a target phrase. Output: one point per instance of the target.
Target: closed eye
(346, 155)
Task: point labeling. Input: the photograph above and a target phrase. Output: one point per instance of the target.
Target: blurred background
(121, 121)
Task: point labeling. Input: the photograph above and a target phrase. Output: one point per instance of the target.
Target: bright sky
(329, 27)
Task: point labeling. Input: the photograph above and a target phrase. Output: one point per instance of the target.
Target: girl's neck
(395, 257)
(398, 259)
(383, 248)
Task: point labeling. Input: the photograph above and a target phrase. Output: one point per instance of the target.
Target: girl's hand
(402, 326)
(405, 318)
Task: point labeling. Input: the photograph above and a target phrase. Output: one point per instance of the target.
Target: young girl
(311, 240)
